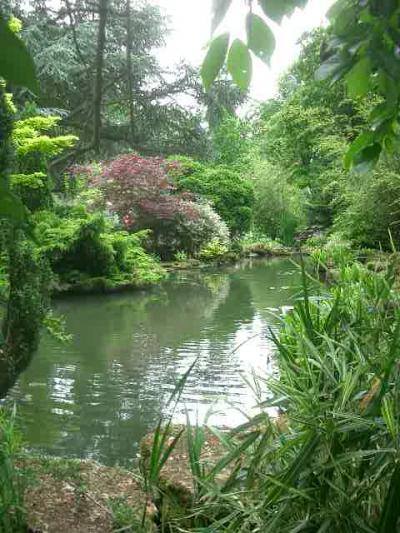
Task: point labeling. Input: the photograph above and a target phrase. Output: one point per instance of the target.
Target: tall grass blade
(391, 510)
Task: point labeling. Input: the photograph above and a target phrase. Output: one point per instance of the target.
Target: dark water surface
(97, 396)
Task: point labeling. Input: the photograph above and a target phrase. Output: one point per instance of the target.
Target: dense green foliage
(230, 193)
(84, 248)
(12, 514)
(319, 160)
(300, 140)
(361, 50)
(279, 208)
(25, 292)
(371, 214)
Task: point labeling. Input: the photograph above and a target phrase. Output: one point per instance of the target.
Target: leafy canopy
(363, 50)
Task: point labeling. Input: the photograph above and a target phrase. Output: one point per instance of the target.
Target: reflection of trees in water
(272, 283)
(216, 371)
(118, 365)
(236, 307)
(186, 308)
(9, 373)
(108, 387)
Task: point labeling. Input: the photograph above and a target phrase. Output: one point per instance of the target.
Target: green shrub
(82, 245)
(316, 242)
(74, 241)
(33, 189)
(143, 267)
(372, 212)
(230, 194)
(213, 250)
(182, 166)
(257, 243)
(180, 256)
(279, 208)
(336, 252)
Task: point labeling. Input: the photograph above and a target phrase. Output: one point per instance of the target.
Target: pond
(98, 395)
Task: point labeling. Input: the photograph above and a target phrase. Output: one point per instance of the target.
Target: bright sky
(190, 25)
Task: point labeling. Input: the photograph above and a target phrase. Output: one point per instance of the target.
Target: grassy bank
(150, 272)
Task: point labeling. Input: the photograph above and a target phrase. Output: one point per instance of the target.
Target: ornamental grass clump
(331, 460)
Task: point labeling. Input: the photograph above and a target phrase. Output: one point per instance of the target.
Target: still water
(98, 395)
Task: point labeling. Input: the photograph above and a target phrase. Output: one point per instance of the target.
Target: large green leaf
(357, 79)
(361, 142)
(341, 16)
(219, 8)
(366, 160)
(240, 64)
(214, 59)
(328, 68)
(16, 64)
(336, 9)
(277, 9)
(260, 38)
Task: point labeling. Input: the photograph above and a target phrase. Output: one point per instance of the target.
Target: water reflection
(97, 396)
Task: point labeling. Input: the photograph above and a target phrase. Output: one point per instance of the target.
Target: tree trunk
(98, 88)
(129, 69)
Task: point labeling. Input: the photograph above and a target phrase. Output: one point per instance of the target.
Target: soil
(83, 497)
